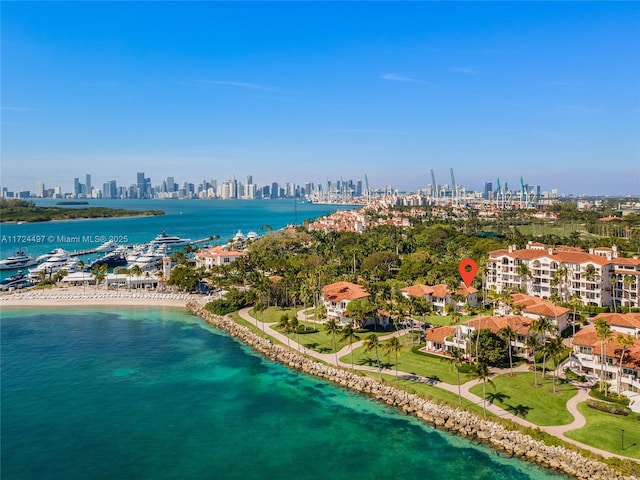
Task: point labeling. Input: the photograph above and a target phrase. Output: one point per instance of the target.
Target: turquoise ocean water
(126, 393)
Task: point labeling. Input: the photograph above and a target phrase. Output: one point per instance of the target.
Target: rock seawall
(442, 416)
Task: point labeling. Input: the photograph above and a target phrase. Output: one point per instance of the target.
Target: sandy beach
(79, 296)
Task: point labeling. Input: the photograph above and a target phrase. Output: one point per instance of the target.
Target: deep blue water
(106, 393)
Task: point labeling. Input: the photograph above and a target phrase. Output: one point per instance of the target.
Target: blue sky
(305, 91)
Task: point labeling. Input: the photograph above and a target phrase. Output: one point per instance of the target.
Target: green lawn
(604, 430)
(539, 405)
(430, 392)
(409, 362)
(440, 320)
(273, 314)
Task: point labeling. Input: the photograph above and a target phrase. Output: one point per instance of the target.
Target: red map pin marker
(468, 269)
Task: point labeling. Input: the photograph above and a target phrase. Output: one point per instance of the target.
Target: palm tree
(533, 342)
(372, 343)
(524, 272)
(625, 341)
(627, 281)
(481, 372)
(349, 333)
(507, 333)
(294, 324)
(554, 349)
(456, 359)
(560, 279)
(332, 328)
(285, 326)
(603, 332)
(542, 326)
(614, 281)
(575, 301)
(393, 345)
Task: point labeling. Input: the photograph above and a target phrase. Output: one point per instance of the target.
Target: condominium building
(599, 277)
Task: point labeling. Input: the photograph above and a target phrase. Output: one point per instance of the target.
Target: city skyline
(305, 91)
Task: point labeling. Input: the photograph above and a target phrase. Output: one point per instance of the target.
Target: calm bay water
(104, 393)
(194, 219)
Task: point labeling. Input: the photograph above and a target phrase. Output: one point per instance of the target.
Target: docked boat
(170, 241)
(17, 261)
(252, 236)
(109, 246)
(149, 260)
(114, 259)
(60, 260)
(14, 282)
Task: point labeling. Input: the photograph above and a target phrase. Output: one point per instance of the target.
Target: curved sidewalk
(330, 358)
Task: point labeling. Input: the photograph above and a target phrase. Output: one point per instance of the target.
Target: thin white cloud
(250, 86)
(399, 78)
(17, 109)
(371, 130)
(465, 70)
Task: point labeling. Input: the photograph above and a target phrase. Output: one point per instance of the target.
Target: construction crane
(367, 192)
(434, 185)
(523, 193)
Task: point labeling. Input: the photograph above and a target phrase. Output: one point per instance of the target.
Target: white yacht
(109, 246)
(252, 236)
(60, 260)
(14, 282)
(149, 259)
(137, 251)
(170, 241)
(19, 260)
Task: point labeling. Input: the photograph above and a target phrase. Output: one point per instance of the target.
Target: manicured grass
(604, 430)
(273, 314)
(440, 320)
(539, 405)
(321, 341)
(409, 362)
(430, 392)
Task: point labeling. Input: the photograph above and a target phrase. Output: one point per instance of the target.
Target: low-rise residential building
(337, 296)
(444, 339)
(536, 308)
(622, 373)
(625, 323)
(208, 258)
(439, 296)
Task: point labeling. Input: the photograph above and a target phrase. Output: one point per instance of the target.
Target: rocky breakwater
(454, 420)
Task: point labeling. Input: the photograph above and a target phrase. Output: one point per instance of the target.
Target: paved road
(333, 359)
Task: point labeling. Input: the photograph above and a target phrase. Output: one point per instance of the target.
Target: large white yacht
(109, 246)
(17, 261)
(149, 259)
(60, 260)
(170, 241)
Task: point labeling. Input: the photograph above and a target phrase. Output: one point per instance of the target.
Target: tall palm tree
(507, 333)
(614, 281)
(625, 341)
(533, 342)
(456, 359)
(332, 328)
(372, 343)
(627, 281)
(554, 349)
(393, 345)
(524, 272)
(481, 371)
(349, 334)
(285, 326)
(603, 333)
(294, 324)
(542, 326)
(560, 278)
(575, 301)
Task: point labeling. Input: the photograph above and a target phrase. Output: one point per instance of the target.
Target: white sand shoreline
(78, 296)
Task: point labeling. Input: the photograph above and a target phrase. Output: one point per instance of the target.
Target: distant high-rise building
(249, 180)
(87, 185)
(171, 184)
(40, 189)
(274, 190)
(487, 194)
(77, 188)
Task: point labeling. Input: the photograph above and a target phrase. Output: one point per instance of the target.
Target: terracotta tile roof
(518, 323)
(336, 292)
(418, 290)
(627, 320)
(440, 291)
(546, 309)
(218, 251)
(438, 334)
(586, 337)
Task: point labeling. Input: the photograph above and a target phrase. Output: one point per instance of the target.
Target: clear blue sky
(314, 90)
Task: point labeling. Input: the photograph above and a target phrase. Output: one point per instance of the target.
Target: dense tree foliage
(27, 211)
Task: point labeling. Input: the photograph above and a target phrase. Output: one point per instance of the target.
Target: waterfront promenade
(330, 358)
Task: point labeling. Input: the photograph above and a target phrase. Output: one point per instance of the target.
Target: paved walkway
(330, 358)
